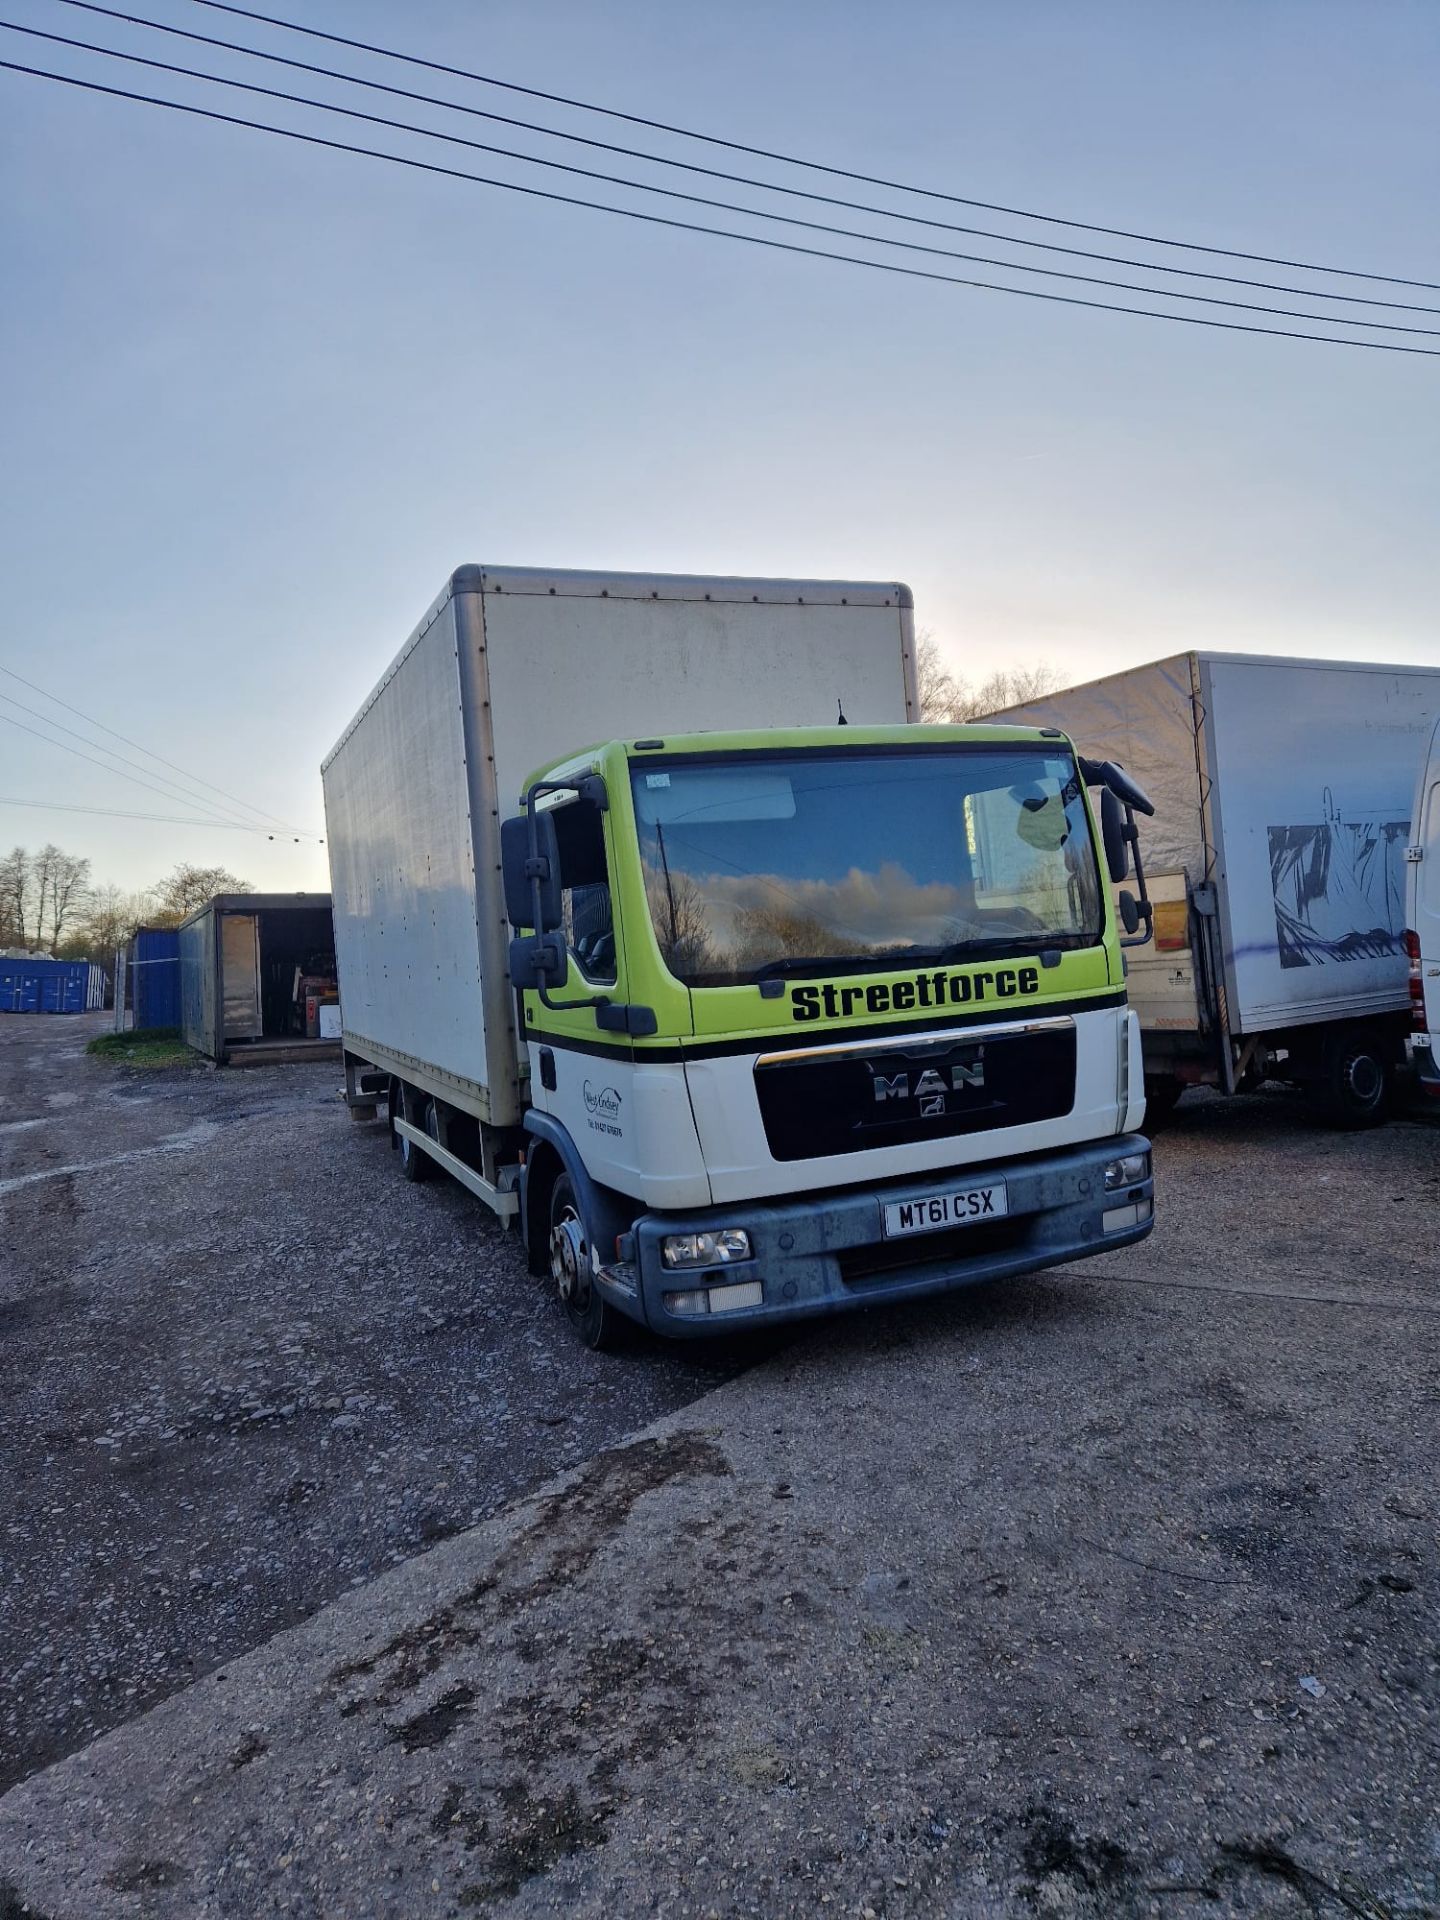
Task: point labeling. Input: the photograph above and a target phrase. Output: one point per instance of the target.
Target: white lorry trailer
(737, 1014)
(1422, 920)
(1276, 862)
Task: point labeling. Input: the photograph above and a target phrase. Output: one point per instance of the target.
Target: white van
(1422, 920)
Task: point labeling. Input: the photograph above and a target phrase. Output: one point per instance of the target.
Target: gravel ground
(1108, 1592)
(246, 1366)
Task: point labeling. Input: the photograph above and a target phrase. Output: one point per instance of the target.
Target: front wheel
(598, 1324)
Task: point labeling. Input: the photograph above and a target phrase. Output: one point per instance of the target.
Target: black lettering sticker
(905, 996)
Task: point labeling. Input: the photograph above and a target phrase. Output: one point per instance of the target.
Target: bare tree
(17, 892)
(1014, 687)
(187, 888)
(44, 872)
(108, 921)
(941, 692)
(69, 891)
(948, 697)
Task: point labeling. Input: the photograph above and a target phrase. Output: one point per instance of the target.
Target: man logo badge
(931, 1087)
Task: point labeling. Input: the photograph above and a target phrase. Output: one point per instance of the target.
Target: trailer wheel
(598, 1324)
(415, 1163)
(1355, 1086)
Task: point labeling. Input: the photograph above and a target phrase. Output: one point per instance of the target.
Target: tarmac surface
(1110, 1591)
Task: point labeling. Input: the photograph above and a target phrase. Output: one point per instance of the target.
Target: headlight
(705, 1249)
(1127, 1172)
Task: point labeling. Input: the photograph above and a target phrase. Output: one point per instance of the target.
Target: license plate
(960, 1208)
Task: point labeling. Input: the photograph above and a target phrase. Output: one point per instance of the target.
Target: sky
(258, 400)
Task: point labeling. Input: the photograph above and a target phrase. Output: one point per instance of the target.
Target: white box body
(1288, 786)
(1422, 893)
(513, 669)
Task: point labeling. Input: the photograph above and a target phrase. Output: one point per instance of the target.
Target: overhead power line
(705, 200)
(796, 160)
(169, 819)
(691, 226)
(173, 787)
(719, 173)
(149, 752)
(164, 793)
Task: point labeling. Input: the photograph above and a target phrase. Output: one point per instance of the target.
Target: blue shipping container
(155, 977)
(33, 985)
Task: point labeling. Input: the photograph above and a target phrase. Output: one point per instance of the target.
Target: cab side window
(585, 890)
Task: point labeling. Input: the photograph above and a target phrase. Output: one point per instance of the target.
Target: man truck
(768, 1001)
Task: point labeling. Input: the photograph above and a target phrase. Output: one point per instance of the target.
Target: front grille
(914, 1252)
(896, 1095)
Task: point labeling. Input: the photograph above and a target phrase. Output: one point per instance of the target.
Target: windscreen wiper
(811, 963)
(844, 962)
(1001, 946)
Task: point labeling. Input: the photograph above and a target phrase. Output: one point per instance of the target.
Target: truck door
(580, 1072)
(240, 975)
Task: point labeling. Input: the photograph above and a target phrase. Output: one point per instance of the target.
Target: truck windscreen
(846, 860)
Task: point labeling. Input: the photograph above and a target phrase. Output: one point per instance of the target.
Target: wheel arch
(553, 1152)
(543, 1167)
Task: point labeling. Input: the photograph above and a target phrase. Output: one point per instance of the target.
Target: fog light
(1125, 1173)
(688, 1303)
(723, 1299)
(749, 1293)
(705, 1249)
(1117, 1219)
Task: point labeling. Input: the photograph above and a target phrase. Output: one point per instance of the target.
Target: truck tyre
(415, 1163)
(598, 1324)
(1355, 1087)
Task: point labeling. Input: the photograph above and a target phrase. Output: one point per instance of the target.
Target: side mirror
(538, 960)
(1113, 833)
(520, 869)
(1105, 773)
(1129, 911)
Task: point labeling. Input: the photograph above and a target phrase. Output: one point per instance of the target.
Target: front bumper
(827, 1253)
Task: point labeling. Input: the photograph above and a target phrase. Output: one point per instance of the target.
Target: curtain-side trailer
(770, 1003)
(1276, 861)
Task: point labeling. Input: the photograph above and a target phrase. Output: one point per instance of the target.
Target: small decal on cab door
(602, 1104)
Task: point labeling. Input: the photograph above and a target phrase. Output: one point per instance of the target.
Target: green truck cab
(816, 1017)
